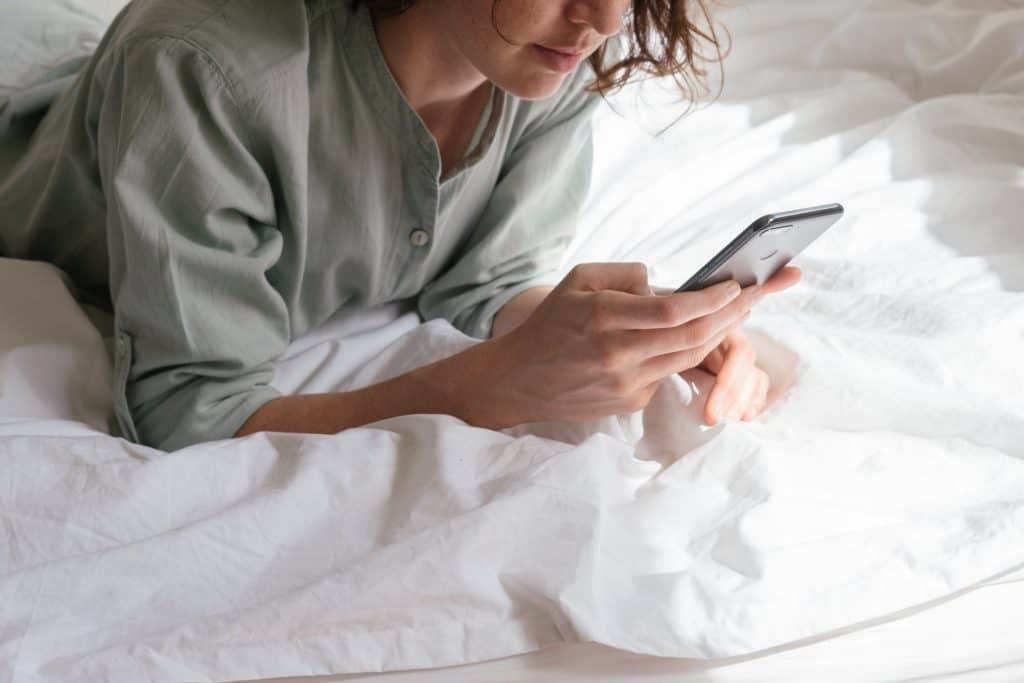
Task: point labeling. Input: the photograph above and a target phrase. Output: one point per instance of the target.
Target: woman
(227, 174)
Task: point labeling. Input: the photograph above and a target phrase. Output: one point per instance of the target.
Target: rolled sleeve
(191, 237)
(529, 220)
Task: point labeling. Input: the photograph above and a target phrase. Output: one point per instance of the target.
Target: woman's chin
(535, 86)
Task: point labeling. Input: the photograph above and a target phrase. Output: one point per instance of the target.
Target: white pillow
(43, 45)
(54, 364)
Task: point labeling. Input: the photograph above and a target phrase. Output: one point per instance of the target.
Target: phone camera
(778, 230)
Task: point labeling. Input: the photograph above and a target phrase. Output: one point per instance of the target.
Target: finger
(760, 399)
(657, 368)
(751, 408)
(622, 311)
(733, 387)
(642, 344)
(735, 409)
(730, 397)
(752, 386)
(784, 279)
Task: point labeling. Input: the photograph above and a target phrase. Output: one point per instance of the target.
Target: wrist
(466, 385)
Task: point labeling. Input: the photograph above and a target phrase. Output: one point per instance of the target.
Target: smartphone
(768, 244)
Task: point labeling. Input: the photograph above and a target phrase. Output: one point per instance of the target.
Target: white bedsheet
(972, 638)
(889, 473)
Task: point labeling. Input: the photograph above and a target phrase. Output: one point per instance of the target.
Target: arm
(191, 227)
(445, 387)
(419, 391)
(457, 385)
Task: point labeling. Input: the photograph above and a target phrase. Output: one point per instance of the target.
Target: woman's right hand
(600, 343)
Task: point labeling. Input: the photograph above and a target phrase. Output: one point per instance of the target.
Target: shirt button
(418, 237)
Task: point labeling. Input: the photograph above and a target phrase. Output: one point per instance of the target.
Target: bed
(868, 527)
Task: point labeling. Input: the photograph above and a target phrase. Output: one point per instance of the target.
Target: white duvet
(889, 471)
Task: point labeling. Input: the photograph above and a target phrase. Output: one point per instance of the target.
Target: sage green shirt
(227, 174)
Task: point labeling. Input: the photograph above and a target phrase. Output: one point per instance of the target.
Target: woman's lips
(558, 61)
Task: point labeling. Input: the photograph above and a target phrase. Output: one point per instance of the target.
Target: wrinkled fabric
(886, 474)
(420, 541)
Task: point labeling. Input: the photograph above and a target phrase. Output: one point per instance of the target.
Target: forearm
(513, 313)
(447, 387)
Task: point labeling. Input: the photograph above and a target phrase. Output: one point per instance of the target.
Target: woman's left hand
(741, 388)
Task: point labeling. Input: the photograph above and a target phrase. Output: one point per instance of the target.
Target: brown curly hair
(666, 38)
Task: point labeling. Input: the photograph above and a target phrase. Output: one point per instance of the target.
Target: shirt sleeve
(529, 220)
(191, 237)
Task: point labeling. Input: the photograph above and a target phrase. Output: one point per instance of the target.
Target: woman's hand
(741, 388)
(599, 344)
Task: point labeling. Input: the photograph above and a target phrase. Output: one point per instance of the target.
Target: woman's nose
(606, 16)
